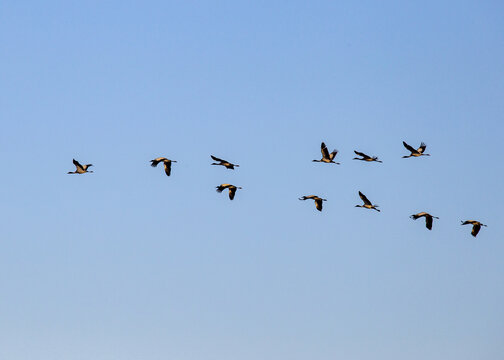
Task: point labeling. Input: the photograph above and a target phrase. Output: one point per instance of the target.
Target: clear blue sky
(129, 264)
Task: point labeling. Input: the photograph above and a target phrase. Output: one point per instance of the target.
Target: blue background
(126, 263)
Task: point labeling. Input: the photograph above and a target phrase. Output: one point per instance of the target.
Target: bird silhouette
(365, 157)
(167, 164)
(326, 157)
(367, 203)
(80, 169)
(318, 200)
(232, 189)
(224, 163)
(476, 226)
(428, 218)
(415, 152)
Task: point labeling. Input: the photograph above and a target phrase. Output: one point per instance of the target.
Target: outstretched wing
(167, 167)
(217, 159)
(428, 222)
(475, 230)
(232, 191)
(333, 154)
(409, 147)
(325, 152)
(422, 147)
(78, 165)
(318, 204)
(364, 198)
(363, 155)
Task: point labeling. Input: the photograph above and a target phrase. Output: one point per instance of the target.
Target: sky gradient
(126, 263)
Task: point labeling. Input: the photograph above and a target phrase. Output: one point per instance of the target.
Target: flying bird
(476, 226)
(415, 152)
(232, 189)
(225, 163)
(428, 218)
(318, 201)
(80, 169)
(326, 157)
(366, 157)
(367, 203)
(167, 164)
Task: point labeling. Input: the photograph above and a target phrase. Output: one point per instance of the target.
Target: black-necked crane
(232, 189)
(326, 157)
(80, 169)
(415, 152)
(428, 218)
(318, 200)
(366, 157)
(367, 203)
(476, 226)
(167, 164)
(225, 163)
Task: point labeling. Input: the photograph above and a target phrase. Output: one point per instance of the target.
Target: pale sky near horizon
(126, 263)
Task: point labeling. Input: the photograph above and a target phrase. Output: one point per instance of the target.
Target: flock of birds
(327, 158)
